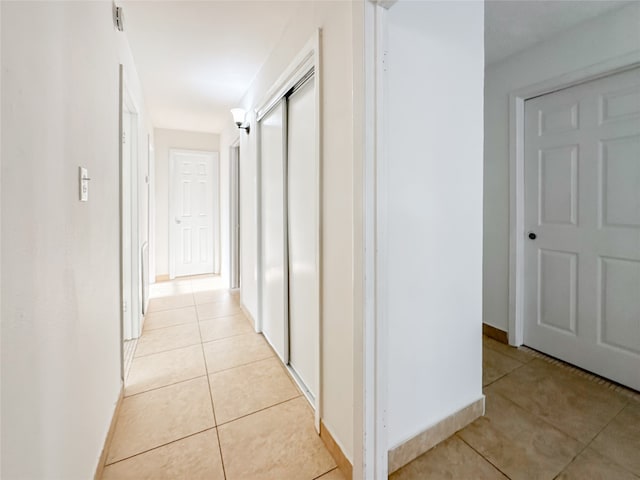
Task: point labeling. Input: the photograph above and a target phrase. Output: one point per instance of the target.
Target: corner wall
(334, 18)
(165, 140)
(609, 36)
(430, 264)
(60, 257)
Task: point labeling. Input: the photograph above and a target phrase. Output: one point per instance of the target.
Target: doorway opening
(131, 296)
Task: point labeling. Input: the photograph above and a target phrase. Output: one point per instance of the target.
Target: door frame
(235, 267)
(371, 448)
(215, 170)
(517, 232)
(127, 105)
(307, 60)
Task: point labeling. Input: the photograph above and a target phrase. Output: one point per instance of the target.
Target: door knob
(532, 236)
(178, 220)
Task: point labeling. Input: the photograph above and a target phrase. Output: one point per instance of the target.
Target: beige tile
(577, 406)
(207, 311)
(496, 365)
(161, 369)
(205, 283)
(160, 416)
(170, 318)
(590, 465)
(620, 440)
(247, 389)
(212, 296)
(169, 338)
(235, 351)
(451, 459)
(276, 443)
(196, 458)
(224, 327)
(172, 301)
(166, 289)
(518, 443)
(334, 474)
(516, 353)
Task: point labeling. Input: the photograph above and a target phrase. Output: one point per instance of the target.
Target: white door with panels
(194, 184)
(302, 200)
(582, 216)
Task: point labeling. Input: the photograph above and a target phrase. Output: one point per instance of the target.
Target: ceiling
(196, 59)
(512, 26)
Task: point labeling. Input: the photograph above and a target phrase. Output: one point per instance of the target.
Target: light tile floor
(544, 420)
(206, 398)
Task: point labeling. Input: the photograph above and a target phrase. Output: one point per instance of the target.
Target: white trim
(371, 456)
(381, 238)
(216, 207)
(234, 211)
(516, 173)
(306, 60)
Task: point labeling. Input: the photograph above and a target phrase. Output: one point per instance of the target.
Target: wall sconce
(238, 117)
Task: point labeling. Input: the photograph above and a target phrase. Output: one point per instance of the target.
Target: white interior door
(274, 248)
(582, 212)
(194, 180)
(302, 200)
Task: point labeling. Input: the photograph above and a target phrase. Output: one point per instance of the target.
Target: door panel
(194, 176)
(582, 202)
(303, 236)
(274, 249)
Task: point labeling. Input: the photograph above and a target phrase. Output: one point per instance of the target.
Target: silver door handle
(178, 220)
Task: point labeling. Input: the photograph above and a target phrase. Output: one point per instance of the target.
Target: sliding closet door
(303, 230)
(274, 255)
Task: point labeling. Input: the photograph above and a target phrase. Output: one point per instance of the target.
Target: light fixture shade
(238, 115)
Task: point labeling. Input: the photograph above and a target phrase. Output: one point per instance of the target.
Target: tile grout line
(262, 410)
(323, 474)
(164, 386)
(213, 408)
(159, 446)
(481, 455)
(189, 322)
(167, 350)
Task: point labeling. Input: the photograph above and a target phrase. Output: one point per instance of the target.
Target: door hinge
(124, 307)
(124, 137)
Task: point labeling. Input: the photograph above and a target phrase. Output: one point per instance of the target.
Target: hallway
(544, 420)
(206, 397)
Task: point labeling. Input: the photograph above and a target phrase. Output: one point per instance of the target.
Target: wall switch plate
(84, 184)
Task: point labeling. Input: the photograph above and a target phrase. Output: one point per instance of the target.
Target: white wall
(165, 140)
(432, 262)
(612, 35)
(60, 257)
(337, 169)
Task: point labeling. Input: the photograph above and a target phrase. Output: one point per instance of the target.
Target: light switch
(84, 184)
